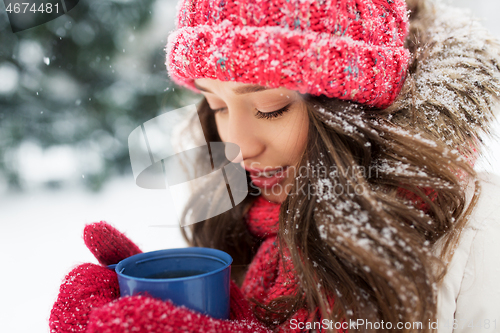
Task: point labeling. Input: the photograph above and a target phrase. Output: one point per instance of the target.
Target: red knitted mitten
(86, 287)
(144, 314)
(88, 299)
(90, 286)
(107, 244)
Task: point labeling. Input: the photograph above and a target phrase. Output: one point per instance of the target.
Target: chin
(273, 197)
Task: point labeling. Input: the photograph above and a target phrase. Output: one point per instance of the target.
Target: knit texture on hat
(346, 49)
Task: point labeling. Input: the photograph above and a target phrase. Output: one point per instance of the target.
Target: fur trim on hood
(453, 85)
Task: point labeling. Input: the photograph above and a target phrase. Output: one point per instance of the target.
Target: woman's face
(269, 125)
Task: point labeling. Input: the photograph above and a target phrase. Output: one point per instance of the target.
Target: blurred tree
(84, 80)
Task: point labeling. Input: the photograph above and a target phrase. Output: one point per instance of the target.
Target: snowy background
(41, 228)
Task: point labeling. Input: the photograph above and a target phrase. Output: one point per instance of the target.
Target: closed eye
(265, 115)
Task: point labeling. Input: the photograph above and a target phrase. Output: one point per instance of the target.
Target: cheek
(293, 138)
(303, 132)
(220, 128)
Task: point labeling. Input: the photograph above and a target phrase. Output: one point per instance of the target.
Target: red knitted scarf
(268, 276)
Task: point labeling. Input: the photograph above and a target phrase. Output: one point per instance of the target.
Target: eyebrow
(238, 90)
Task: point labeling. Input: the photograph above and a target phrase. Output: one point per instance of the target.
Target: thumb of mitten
(107, 244)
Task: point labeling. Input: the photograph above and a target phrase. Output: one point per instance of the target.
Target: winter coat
(469, 297)
(453, 93)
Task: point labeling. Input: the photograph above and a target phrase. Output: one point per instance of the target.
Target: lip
(263, 181)
(257, 172)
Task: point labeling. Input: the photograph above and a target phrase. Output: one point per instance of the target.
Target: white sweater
(469, 298)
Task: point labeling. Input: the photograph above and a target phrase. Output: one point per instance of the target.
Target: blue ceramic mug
(195, 277)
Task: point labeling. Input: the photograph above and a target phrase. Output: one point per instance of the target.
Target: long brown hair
(366, 244)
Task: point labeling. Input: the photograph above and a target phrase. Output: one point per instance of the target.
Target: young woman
(359, 133)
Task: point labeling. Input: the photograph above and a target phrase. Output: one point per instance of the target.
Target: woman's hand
(107, 244)
(141, 314)
(90, 286)
(89, 298)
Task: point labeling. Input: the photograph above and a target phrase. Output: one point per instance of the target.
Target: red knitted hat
(346, 49)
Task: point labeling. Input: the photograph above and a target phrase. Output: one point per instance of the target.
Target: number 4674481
(24, 7)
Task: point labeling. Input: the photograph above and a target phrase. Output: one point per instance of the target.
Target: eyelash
(265, 115)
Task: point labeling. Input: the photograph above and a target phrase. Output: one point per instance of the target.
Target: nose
(242, 131)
